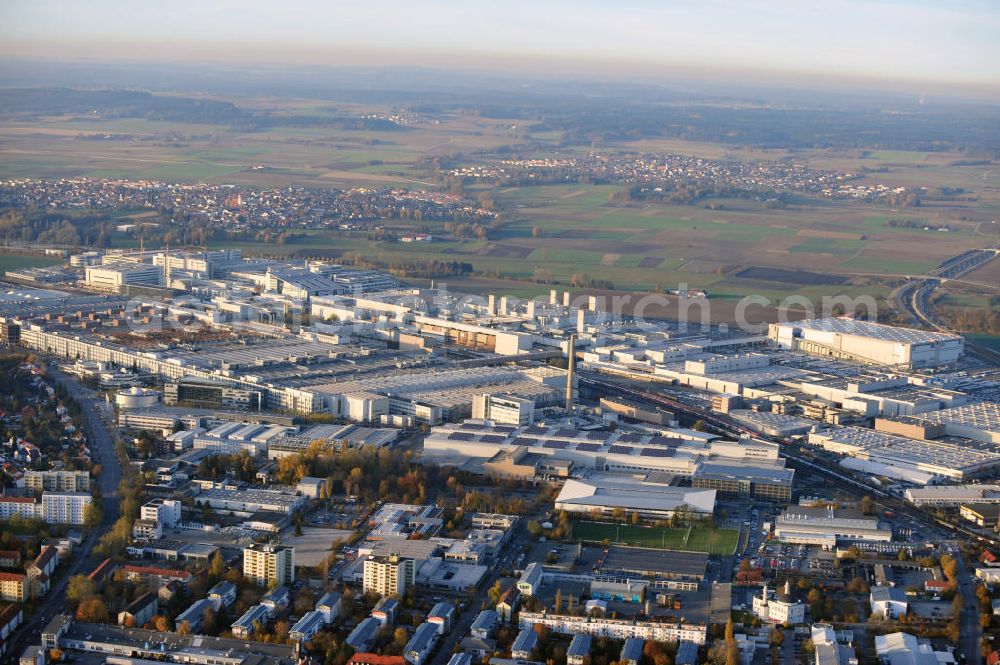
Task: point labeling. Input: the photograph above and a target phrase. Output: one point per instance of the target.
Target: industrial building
(606, 494)
(205, 393)
(826, 526)
(846, 338)
(952, 495)
(950, 459)
(504, 409)
(979, 421)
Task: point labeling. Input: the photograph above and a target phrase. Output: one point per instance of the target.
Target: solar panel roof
(621, 450)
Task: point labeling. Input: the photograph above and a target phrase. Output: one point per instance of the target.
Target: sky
(956, 42)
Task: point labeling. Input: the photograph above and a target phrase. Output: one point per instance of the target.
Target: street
(94, 413)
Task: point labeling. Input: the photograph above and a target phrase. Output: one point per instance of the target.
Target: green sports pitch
(688, 539)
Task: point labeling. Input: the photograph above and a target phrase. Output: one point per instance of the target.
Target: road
(461, 628)
(914, 297)
(971, 631)
(98, 428)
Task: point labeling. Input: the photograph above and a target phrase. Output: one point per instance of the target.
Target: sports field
(693, 539)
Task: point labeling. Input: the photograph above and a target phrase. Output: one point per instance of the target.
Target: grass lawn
(695, 539)
(18, 261)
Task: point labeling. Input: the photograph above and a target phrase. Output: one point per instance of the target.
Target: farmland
(570, 233)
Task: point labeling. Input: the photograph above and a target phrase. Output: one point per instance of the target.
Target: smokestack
(581, 321)
(503, 305)
(569, 373)
(553, 297)
(565, 298)
(531, 309)
(491, 304)
(166, 266)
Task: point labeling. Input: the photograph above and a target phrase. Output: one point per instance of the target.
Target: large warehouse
(862, 341)
(950, 459)
(826, 526)
(980, 421)
(651, 500)
(474, 443)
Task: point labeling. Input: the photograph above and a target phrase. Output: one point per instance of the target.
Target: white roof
(847, 326)
(629, 494)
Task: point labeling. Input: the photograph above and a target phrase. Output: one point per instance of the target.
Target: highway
(97, 426)
(915, 296)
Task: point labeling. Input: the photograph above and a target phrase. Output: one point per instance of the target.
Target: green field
(694, 539)
(584, 231)
(18, 261)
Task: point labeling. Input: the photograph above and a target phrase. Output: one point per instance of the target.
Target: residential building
(631, 651)
(254, 618)
(362, 638)
(579, 649)
(620, 629)
(484, 625)
(388, 575)
(139, 611)
(524, 644)
(441, 615)
(418, 650)
(267, 563)
(222, 594)
(65, 507)
(307, 626)
(194, 615)
(14, 587)
(57, 481)
(329, 606)
(889, 602)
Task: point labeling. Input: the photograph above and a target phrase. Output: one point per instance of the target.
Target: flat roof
(846, 325)
(654, 562)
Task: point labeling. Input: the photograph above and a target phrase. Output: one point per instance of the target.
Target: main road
(97, 425)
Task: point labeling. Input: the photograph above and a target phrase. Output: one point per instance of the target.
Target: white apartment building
(266, 563)
(65, 507)
(619, 629)
(57, 481)
(165, 512)
(389, 575)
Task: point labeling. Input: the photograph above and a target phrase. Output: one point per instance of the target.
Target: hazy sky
(956, 41)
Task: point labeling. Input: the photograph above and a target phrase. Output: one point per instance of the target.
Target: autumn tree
(79, 587)
(92, 610)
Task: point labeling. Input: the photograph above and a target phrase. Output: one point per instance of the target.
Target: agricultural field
(687, 539)
(562, 234)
